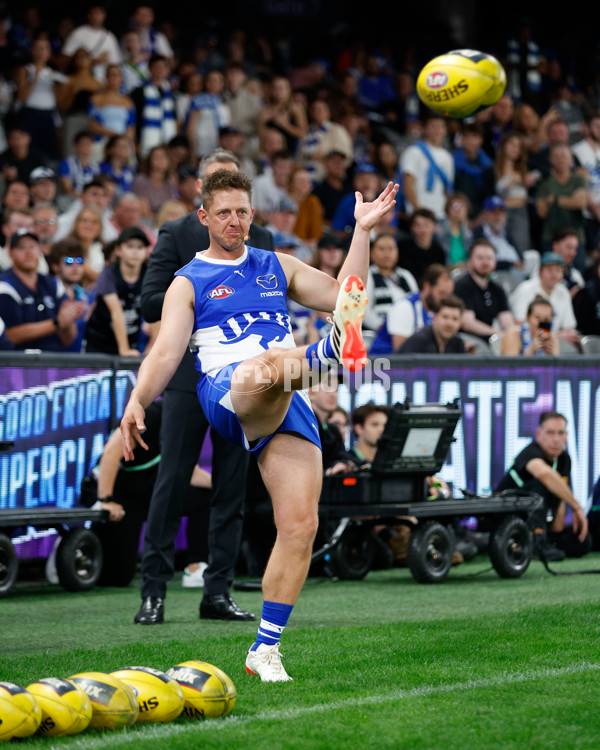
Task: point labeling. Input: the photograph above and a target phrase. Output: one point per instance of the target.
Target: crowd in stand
(493, 246)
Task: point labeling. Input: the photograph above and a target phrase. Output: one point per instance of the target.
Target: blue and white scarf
(159, 123)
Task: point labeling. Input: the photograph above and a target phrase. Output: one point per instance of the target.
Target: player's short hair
(546, 415)
(224, 179)
(362, 413)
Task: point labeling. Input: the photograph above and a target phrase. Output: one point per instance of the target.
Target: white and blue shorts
(214, 394)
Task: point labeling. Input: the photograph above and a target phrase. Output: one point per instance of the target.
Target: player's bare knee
(299, 531)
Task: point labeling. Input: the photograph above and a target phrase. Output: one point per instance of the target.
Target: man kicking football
(229, 305)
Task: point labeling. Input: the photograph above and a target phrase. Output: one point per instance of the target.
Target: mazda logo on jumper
(220, 292)
(268, 281)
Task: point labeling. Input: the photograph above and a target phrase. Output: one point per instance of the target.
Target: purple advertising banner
(59, 417)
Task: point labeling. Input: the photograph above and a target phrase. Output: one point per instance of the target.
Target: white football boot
(266, 663)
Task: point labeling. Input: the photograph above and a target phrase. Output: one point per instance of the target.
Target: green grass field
(474, 662)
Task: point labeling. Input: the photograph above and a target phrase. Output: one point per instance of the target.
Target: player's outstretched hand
(367, 215)
(132, 426)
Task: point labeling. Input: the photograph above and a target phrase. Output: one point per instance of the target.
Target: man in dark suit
(182, 433)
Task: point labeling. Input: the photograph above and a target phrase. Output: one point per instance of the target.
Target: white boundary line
(158, 731)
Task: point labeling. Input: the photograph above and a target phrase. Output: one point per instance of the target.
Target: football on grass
(461, 83)
(66, 708)
(20, 712)
(114, 706)
(159, 697)
(207, 690)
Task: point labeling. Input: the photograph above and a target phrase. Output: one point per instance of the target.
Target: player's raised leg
(261, 388)
(291, 468)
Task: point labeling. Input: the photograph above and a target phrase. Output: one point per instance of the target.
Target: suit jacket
(177, 244)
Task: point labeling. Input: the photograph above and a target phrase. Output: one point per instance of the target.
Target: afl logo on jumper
(436, 80)
(268, 281)
(220, 292)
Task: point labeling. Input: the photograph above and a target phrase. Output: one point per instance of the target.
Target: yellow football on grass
(114, 706)
(66, 708)
(20, 712)
(207, 690)
(159, 697)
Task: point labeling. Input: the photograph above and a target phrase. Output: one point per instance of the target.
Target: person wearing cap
(493, 228)
(115, 325)
(281, 219)
(42, 186)
(12, 220)
(548, 284)
(34, 306)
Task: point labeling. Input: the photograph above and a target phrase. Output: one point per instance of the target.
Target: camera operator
(544, 467)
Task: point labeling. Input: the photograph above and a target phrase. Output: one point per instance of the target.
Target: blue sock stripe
(274, 619)
(270, 627)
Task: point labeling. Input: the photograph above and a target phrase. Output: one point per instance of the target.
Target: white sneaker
(195, 579)
(266, 663)
(346, 336)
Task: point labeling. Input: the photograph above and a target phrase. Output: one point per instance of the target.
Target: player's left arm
(312, 288)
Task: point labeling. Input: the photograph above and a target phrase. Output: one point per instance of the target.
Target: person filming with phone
(534, 337)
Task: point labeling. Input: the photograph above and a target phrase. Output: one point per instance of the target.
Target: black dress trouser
(183, 429)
